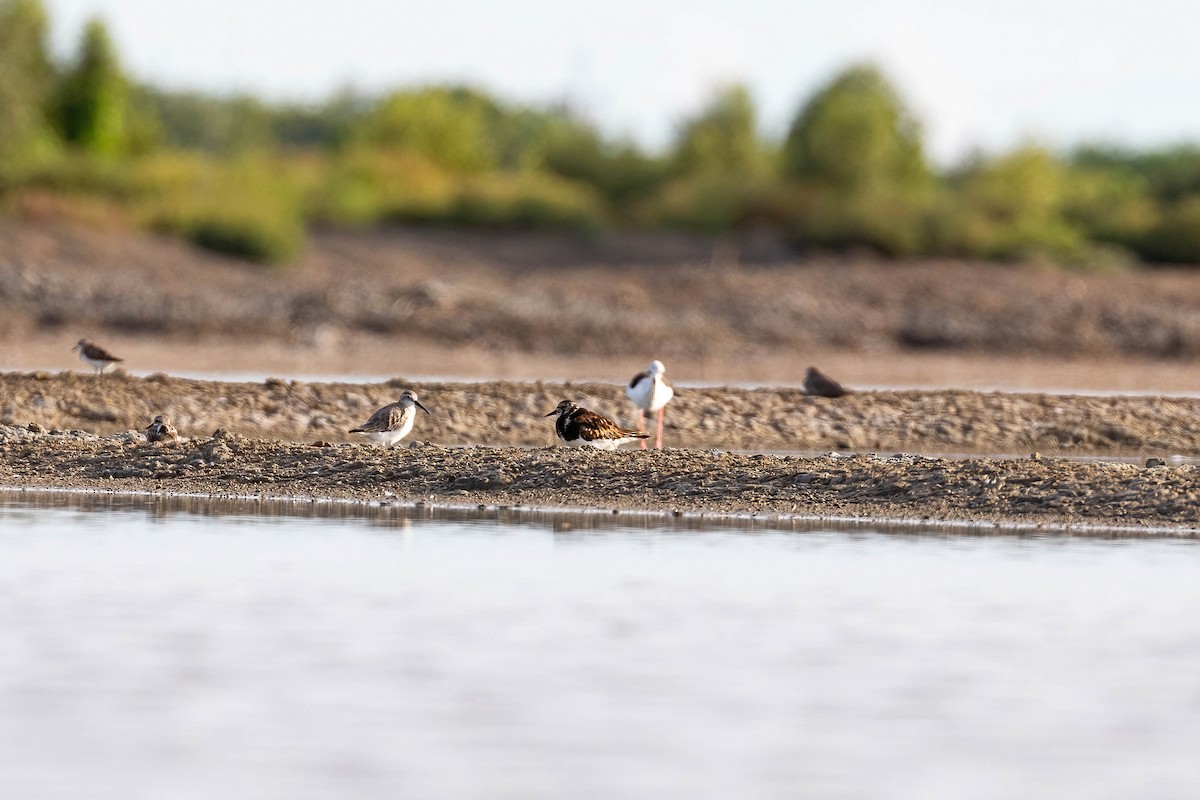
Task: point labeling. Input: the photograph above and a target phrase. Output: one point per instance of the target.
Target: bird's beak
(552, 413)
(417, 403)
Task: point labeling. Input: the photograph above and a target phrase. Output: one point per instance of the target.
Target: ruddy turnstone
(649, 392)
(820, 385)
(577, 427)
(161, 430)
(95, 355)
(392, 423)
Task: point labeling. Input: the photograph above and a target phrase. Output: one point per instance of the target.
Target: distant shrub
(1176, 237)
(364, 187)
(263, 239)
(248, 210)
(525, 202)
(722, 140)
(619, 172)
(709, 203)
(68, 173)
(446, 125)
(856, 135)
(892, 223)
(1031, 206)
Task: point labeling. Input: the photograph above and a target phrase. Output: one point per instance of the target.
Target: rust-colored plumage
(578, 427)
(161, 430)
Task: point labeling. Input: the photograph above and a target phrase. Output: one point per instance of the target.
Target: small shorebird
(820, 385)
(95, 356)
(161, 430)
(392, 423)
(577, 427)
(649, 392)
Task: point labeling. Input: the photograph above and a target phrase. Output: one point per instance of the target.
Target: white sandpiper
(390, 424)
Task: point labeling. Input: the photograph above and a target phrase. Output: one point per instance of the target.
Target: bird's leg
(662, 415)
(641, 427)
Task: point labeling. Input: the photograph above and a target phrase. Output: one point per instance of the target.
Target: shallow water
(155, 648)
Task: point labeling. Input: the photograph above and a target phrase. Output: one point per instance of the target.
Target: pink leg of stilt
(641, 427)
(662, 413)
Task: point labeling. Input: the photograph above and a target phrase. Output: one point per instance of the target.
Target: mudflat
(524, 306)
(730, 451)
(521, 321)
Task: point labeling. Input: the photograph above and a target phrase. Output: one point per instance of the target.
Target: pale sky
(988, 74)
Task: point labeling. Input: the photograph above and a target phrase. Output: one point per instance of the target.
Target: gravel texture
(487, 444)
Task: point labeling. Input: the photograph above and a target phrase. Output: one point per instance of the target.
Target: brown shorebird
(820, 385)
(649, 392)
(161, 430)
(577, 427)
(95, 356)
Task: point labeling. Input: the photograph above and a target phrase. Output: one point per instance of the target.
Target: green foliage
(706, 203)
(449, 127)
(94, 97)
(240, 124)
(1169, 174)
(244, 176)
(722, 140)
(856, 136)
(525, 202)
(1176, 236)
(222, 126)
(369, 186)
(1031, 206)
(1011, 208)
(26, 81)
(262, 238)
(618, 171)
(888, 223)
(364, 187)
(855, 153)
(1111, 206)
(248, 209)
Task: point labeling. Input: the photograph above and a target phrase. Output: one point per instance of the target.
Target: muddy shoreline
(488, 444)
(1033, 491)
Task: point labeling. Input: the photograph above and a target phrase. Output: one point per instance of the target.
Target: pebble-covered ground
(1036, 490)
(499, 413)
(490, 444)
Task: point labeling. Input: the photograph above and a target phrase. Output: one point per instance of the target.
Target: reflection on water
(154, 647)
(258, 510)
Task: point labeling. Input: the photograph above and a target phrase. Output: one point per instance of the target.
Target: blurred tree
(722, 140)
(618, 170)
(324, 126)
(1170, 174)
(94, 106)
(1176, 236)
(219, 125)
(854, 136)
(26, 79)
(1030, 205)
(452, 127)
(855, 159)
